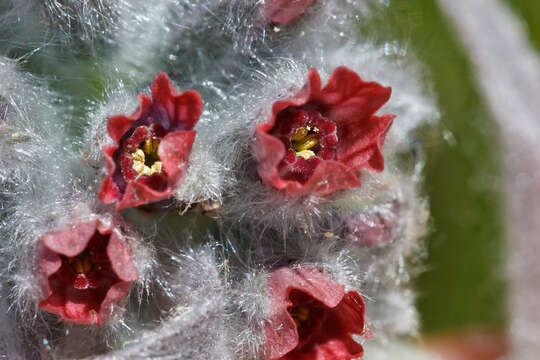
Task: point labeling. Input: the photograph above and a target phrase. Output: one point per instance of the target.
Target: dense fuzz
(266, 240)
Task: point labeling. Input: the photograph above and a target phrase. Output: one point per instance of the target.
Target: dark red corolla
(318, 140)
(86, 268)
(152, 146)
(285, 11)
(312, 317)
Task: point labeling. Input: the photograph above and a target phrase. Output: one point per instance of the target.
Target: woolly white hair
(196, 301)
(397, 350)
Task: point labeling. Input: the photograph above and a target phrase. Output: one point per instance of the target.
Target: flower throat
(146, 159)
(304, 140)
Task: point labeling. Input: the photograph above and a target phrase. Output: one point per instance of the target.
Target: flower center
(146, 159)
(299, 313)
(304, 140)
(82, 263)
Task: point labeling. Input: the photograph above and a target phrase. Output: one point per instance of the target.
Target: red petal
(360, 146)
(188, 108)
(118, 125)
(348, 98)
(72, 240)
(109, 191)
(349, 315)
(313, 86)
(80, 307)
(139, 193)
(49, 261)
(308, 280)
(335, 340)
(120, 259)
(173, 151)
(333, 349)
(114, 295)
(183, 109)
(163, 94)
(269, 151)
(328, 177)
(285, 11)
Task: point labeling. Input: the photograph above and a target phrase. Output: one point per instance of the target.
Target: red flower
(152, 146)
(285, 11)
(317, 140)
(312, 318)
(86, 268)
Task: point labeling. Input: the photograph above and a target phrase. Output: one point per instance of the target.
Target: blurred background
(462, 291)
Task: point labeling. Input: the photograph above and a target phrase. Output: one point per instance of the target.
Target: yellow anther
(138, 155)
(300, 134)
(142, 169)
(156, 167)
(300, 314)
(306, 154)
(150, 146)
(143, 158)
(306, 143)
(138, 166)
(82, 264)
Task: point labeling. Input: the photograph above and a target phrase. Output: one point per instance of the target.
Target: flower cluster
(290, 143)
(313, 143)
(87, 267)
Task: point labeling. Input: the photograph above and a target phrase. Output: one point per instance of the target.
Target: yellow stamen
(150, 146)
(304, 139)
(300, 314)
(306, 154)
(306, 143)
(138, 155)
(156, 167)
(82, 264)
(300, 134)
(141, 168)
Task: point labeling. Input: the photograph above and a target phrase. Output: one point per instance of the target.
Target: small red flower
(285, 11)
(376, 228)
(152, 146)
(86, 268)
(312, 318)
(316, 141)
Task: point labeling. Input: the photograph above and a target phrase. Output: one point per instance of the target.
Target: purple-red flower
(312, 317)
(86, 268)
(317, 141)
(375, 228)
(285, 11)
(152, 146)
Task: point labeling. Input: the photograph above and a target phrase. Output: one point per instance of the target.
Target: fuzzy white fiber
(397, 350)
(204, 256)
